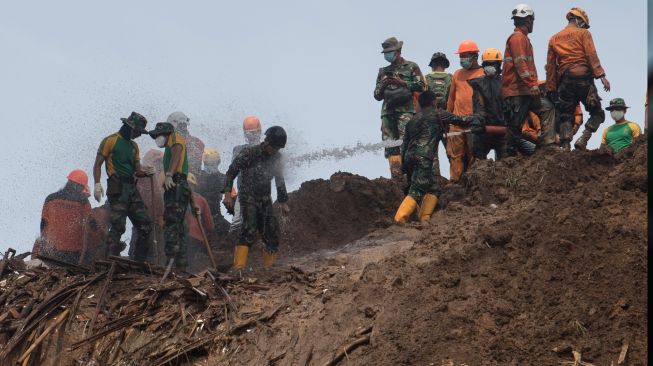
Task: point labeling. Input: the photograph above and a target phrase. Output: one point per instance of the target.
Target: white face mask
(161, 140)
(617, 115)
(490, 70)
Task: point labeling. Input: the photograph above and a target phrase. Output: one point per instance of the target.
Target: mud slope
(530, 255)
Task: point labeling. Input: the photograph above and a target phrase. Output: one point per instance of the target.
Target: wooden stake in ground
(198, 217)
(45, 333)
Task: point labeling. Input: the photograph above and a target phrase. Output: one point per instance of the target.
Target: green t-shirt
(175, 139)
(120, 155)
(620, 135)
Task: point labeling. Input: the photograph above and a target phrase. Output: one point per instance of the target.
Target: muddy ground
(529, 260)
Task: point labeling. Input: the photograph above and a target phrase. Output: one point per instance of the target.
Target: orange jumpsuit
(460, 103)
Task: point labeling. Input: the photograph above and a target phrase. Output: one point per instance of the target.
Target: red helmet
(251, 123)
(467, 46)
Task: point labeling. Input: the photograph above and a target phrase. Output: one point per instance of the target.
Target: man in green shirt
(621, 134)
(395, 85)
(176, 197)
(123, 165)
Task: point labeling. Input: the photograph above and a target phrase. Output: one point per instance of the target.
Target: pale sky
(71, 69)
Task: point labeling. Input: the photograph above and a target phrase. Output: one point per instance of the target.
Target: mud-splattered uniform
(256, 169)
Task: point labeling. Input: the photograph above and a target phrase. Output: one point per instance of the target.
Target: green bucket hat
(161, 128)
(617, 103)
(136, 121)
(391, 44)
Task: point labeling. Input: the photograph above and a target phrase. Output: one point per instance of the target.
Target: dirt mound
(528, 261)
(326, 214)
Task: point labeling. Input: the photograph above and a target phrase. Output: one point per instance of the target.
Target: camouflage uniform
(256, 170)
(175, 202)
(423, 133)
(125, 201)
(438, 82)
(394, 120)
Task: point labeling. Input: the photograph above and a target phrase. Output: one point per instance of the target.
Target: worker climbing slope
(395, 85)
(572, 64)
(460, 103)
(121, 155)
(176, 196)
(63, 219)
(257, 166)
(423, 132)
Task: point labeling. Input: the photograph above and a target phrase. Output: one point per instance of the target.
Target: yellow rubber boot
(428, 206)
(240, 256)
(395, 166)
(269, 259)
(407, 207)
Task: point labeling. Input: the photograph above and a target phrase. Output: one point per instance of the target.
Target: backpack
(439, 84)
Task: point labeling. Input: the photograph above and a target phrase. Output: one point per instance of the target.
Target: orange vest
(63, 218)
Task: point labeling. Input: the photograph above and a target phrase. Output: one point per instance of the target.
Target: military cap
(136, 121)
(161, 128)
(439, 56)
(391, 44)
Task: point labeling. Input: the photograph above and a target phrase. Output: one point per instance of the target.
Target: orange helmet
(467, 46)
(491, 55)
(579, 13)
(251, 123)
(79, 176)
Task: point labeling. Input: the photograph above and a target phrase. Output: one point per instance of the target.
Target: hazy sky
(71, 69)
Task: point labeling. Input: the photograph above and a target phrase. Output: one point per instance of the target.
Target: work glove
(149, 171)
(98, 192)
(168, 183)
(477, 126)
(553, 97)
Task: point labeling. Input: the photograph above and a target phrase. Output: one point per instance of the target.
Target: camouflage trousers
(176, 201)
(393, 126)
(422, 179)
(571, 91)
(258, 216)
(125, 201)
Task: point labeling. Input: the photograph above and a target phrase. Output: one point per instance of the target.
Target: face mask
(389, 56)
(161, 140)
(490, 70)
(617, 115)
(466, 62)
(212, 167)
(253, 137)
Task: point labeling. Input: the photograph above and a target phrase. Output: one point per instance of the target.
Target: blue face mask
(389, 56)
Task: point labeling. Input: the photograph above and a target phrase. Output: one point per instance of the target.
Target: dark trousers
(571, 91)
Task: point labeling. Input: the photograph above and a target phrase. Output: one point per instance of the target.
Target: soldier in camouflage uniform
(394, 86)
(176, 196)
(423, 133)
(257, 165)
(439, 82)
(122, 158)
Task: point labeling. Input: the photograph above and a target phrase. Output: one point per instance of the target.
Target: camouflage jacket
(407, 71)
(256, 169)
(424, 131)
(237, 149)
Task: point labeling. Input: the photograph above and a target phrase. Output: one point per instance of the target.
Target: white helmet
(175, 118)
(522, 11)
